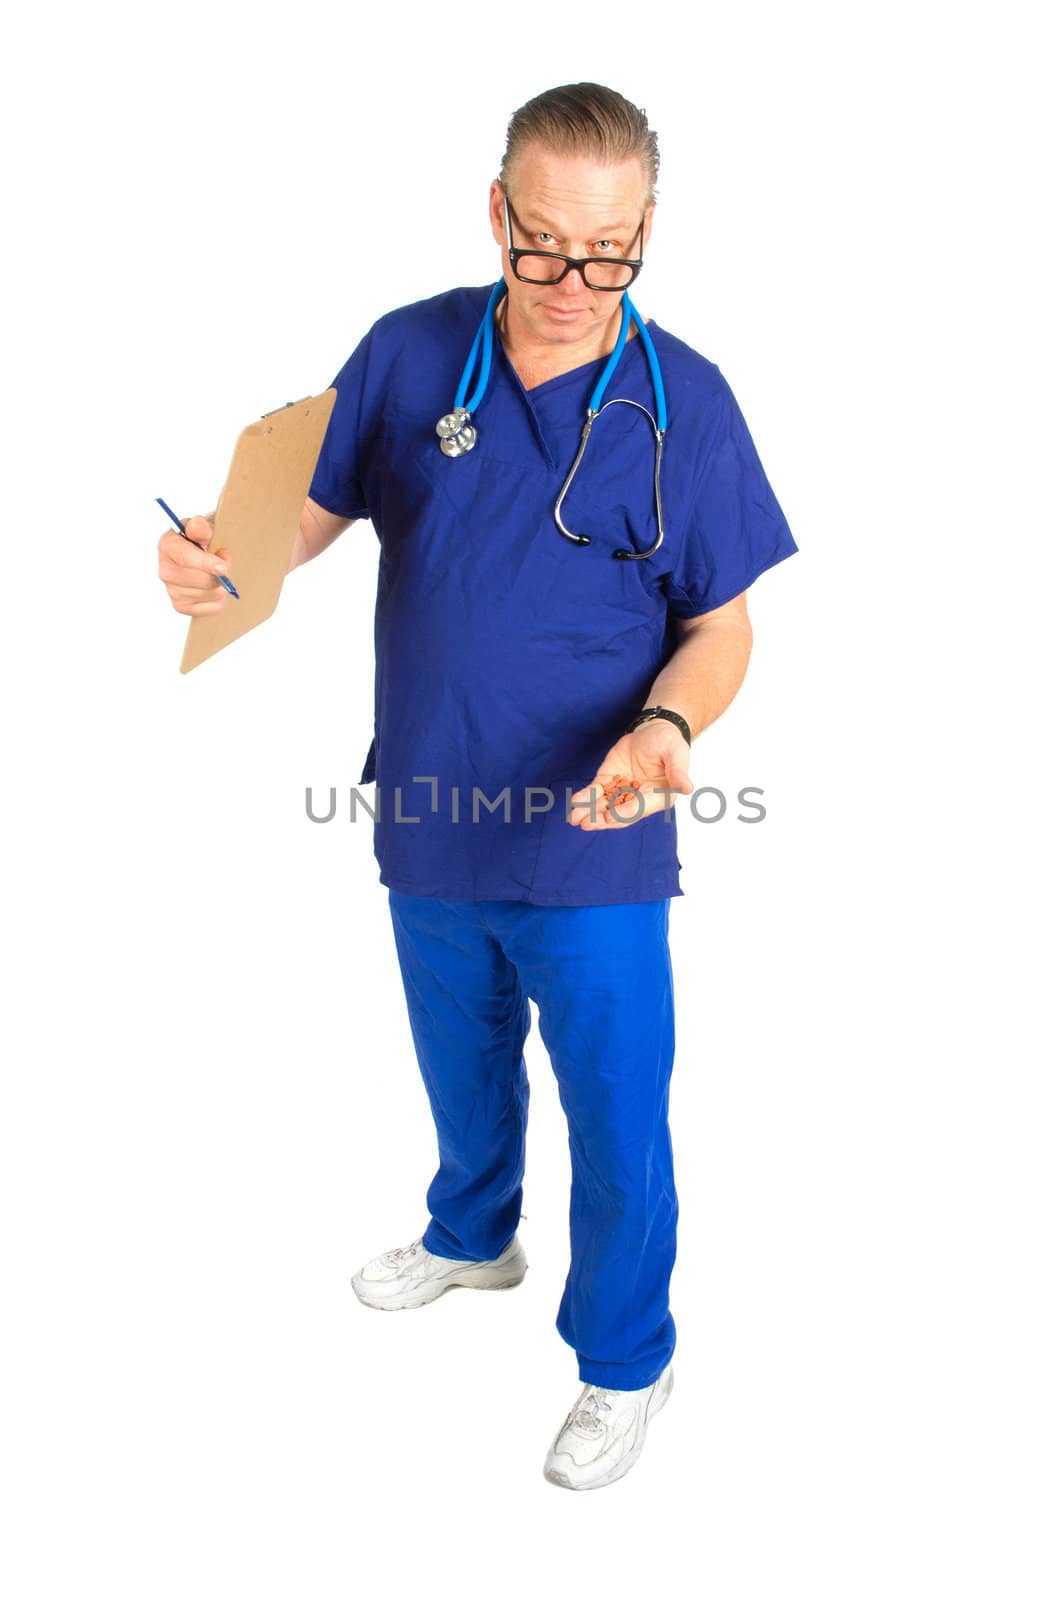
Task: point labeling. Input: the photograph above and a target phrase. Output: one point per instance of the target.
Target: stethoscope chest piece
(456, 432)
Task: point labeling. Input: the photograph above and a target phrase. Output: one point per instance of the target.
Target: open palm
(655, 757)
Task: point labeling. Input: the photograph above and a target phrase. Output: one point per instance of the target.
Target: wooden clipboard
(257, 518)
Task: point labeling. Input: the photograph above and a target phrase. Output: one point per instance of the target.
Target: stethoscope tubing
(659, 440)
(483, 344)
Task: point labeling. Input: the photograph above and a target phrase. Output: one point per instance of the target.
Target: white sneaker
(603, 1434)
(400, 1279)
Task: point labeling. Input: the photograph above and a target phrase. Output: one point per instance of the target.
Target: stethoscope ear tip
(637, 555)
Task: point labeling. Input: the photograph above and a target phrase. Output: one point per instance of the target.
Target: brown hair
(584, 119)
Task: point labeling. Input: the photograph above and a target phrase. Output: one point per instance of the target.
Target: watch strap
(660, 711)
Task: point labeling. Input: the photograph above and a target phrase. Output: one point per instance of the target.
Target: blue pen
(180, 526)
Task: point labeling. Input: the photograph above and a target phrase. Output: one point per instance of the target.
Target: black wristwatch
(660, 711)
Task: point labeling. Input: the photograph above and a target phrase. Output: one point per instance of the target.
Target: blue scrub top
(508, 659)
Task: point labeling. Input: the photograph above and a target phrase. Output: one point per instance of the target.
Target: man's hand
(655, 756)
(187, 570)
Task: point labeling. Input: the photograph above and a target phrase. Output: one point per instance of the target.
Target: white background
(212, 1113)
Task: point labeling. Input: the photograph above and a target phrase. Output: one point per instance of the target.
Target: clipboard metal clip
(286, 406)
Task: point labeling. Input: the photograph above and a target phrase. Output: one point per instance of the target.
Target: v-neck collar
(586, 373)
(573, 373)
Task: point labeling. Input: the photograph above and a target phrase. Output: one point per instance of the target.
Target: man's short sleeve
(336, 485)
(735, 529)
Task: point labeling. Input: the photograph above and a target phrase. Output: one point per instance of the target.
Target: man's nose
(572, 284)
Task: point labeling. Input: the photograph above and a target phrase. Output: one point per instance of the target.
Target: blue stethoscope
(457, 434)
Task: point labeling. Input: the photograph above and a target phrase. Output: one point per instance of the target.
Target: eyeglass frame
(572, 263)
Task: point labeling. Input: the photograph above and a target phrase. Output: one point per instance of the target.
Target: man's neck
(537, 363)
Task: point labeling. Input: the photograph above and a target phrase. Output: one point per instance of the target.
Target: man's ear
(648, 224)
(495, 216)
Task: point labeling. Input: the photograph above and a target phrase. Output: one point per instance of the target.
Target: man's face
(577, 207)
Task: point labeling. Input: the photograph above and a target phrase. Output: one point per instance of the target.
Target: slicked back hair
(584, 119)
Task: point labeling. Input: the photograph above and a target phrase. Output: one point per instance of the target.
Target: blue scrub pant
(601, 977)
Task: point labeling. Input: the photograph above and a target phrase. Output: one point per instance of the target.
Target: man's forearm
(704, 673)
(300, 553)
(317, 530)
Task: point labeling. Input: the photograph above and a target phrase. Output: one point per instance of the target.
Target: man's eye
(545, 238)
(604, 244)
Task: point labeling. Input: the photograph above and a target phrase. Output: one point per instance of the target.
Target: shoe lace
(393, 1257)
(588, 1415)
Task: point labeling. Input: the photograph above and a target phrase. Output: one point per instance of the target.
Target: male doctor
(535, 703)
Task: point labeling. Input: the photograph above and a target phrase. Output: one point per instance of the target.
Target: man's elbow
(731, 618)
(318, 529)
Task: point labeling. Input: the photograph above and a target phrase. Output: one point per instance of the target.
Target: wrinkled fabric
(508, 659)
(601, 978)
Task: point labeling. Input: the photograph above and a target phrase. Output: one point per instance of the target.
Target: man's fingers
(186, 553)
(193, 596)
(201, 608)
(201, 529)
(592, 796)
(617, 804)
(680, 780)
(186, 577)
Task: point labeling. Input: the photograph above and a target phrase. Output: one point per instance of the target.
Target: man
(516, 652)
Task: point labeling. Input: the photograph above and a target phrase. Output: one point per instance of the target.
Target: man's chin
(564, 319)
(567, 327)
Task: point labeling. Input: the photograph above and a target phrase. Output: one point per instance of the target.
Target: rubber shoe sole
(506, 1272)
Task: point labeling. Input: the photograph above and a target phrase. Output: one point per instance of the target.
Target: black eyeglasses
(548, 266)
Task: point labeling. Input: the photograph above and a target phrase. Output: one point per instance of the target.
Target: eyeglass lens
(598, 274)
